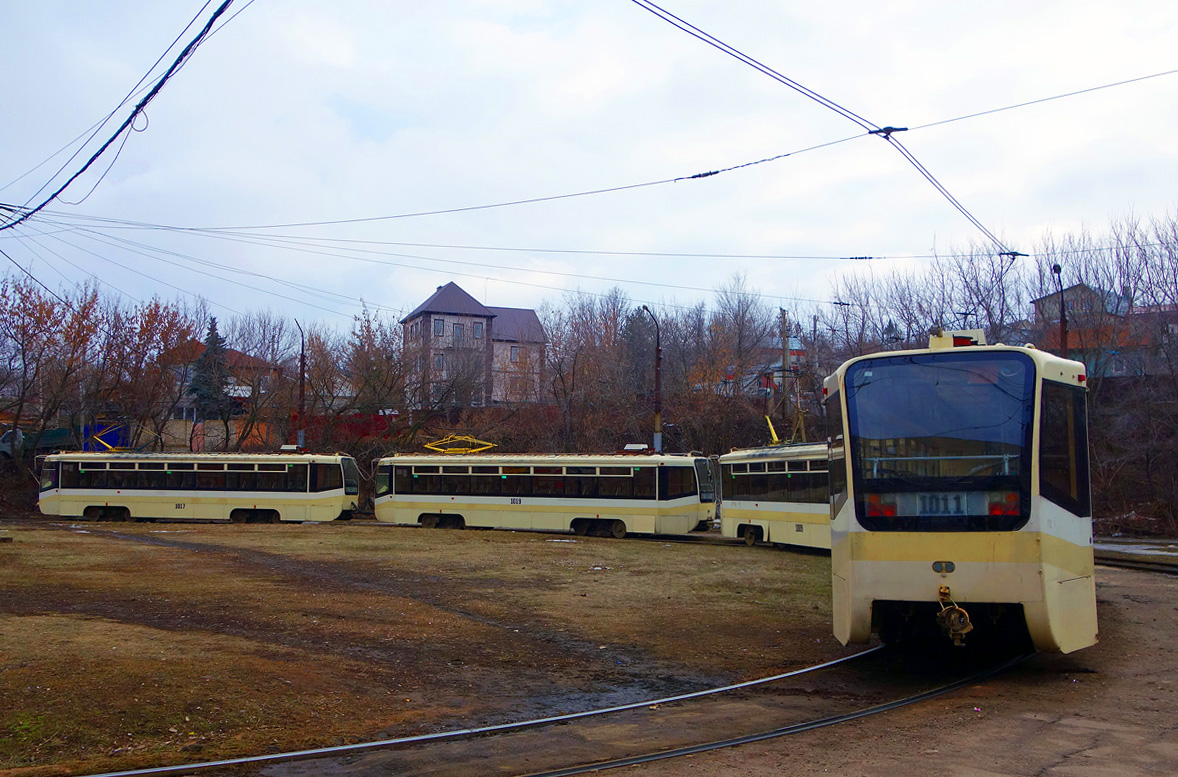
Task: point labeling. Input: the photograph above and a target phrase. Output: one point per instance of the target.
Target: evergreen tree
(210, 378)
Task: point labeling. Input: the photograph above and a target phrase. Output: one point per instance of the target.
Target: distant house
(250, 382)
(1105, 331)
(1082, 304)
(464, 353)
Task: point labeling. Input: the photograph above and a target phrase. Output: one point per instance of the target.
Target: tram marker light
(881, 505)
(1004, 503)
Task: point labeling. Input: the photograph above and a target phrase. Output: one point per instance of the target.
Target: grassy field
(127, 645)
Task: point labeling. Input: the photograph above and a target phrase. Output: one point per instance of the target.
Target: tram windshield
(941, 441)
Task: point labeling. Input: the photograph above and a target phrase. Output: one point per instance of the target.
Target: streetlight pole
(1063, 316)
(301, 438)
(658, 384)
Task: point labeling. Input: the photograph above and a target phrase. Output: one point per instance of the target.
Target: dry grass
(126, 645)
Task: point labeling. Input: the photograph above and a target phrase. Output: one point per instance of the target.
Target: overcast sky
(300, 111)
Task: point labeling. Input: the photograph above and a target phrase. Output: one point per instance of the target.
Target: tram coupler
(953, 620)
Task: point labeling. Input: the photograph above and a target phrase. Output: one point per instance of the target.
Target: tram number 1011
(943, 504)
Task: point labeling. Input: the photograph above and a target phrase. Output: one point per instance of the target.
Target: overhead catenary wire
(146, 250)
(95, 128)
(870, 127)
(140, 107)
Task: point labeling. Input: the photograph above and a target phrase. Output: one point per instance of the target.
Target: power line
(94, 129)
(286, 244)
(139, 108)
(1044, 100)
(870, 127)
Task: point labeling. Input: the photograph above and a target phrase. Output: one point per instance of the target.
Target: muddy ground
(127, 645)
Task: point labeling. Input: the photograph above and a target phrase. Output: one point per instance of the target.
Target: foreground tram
(776, 494)
(606, 495)
(238, 487)
(960, 496)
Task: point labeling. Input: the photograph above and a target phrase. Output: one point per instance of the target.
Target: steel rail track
(793, 728)
(359, 747)
(1139, 563)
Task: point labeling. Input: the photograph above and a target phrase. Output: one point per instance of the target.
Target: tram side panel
(413, 490)
(156, 486)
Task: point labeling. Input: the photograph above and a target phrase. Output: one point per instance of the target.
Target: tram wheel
(750, 535)
(617, 529)
(429, 521)
(580, 527)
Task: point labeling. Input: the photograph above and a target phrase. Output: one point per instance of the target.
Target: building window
(478, 329)
(439, 361)
(459, 331)
(439, 327)
(515, 353)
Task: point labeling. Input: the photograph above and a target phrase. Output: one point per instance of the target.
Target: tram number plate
(942, 504)
(516, 500)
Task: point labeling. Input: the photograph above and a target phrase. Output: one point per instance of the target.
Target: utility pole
(1063, 316)
(301, 438)
(658, 384)
(784, 364)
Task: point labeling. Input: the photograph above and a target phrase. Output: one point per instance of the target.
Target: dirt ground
(128, 645)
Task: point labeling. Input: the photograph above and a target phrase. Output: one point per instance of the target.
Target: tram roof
(800, 450)
(285, 458)
(1047, 365)
(619, 459)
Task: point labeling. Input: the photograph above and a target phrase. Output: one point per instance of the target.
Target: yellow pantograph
(458, 444)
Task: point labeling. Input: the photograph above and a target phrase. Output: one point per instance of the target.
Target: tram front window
(941, 441)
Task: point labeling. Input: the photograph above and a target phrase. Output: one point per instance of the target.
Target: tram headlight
(1003, 503)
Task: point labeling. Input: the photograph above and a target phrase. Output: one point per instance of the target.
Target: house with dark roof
(464, 353)
(1112, 336)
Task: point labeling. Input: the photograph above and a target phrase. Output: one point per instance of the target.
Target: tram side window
(548, 486)
(1063, 448)
(180, 476)
(92, 478)
(384, 479)
(485, 484)
(152, 479)
(585, 487)
(455, 484)
(427, 484)
(296, 478)
(69, 474)
(210, 481)
(837, 435)
(326, 477)
(516, 485)
(676, 482)
(727, 482)
(351, 476)
(402, 479)
(707, 488)
(49, 476)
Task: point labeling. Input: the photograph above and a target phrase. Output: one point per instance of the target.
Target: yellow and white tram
(777, 494)
(960, 495)
(240, 487)
(611, 494)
